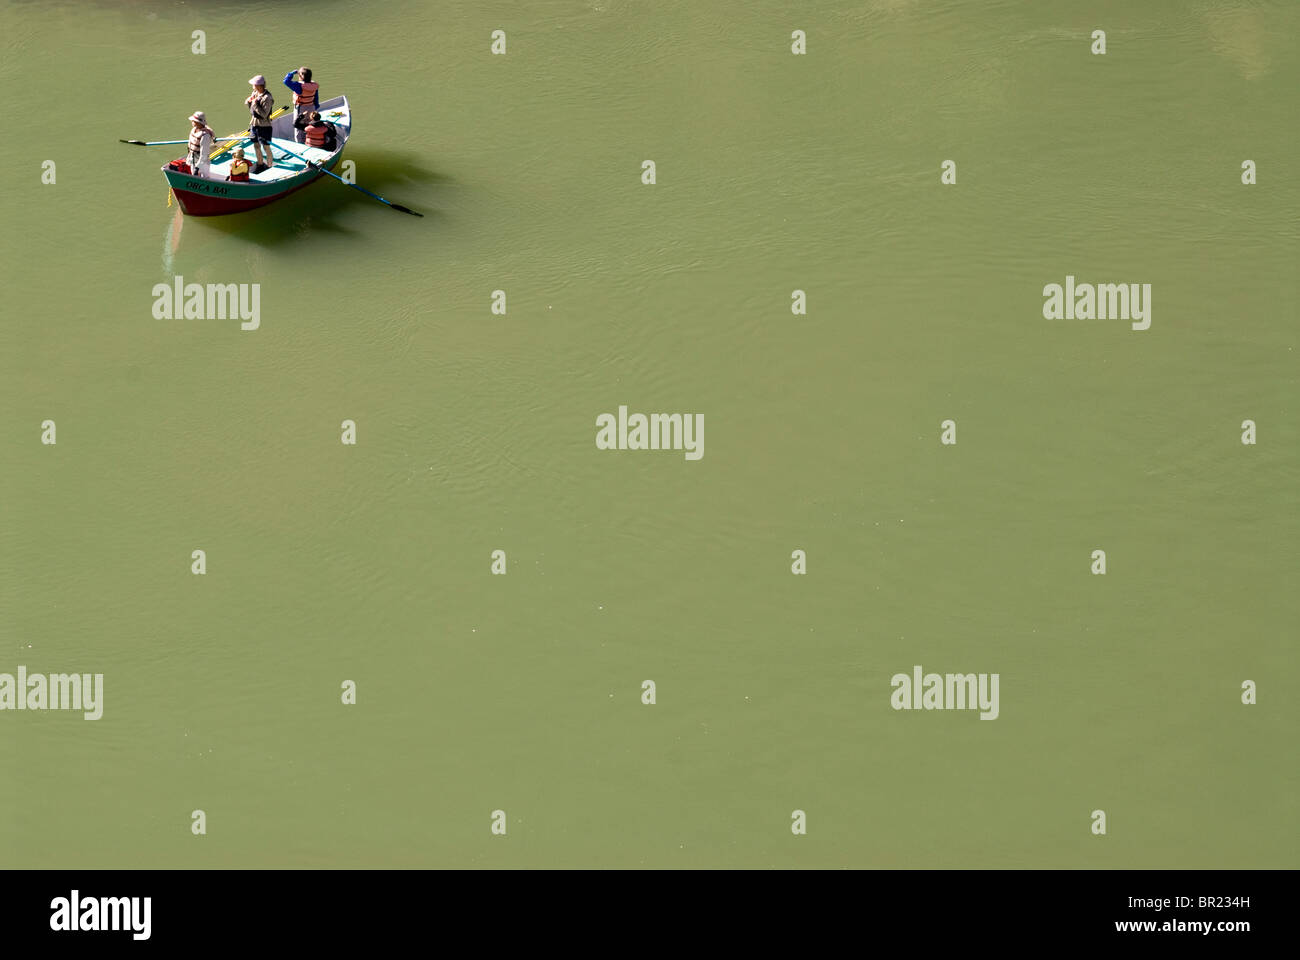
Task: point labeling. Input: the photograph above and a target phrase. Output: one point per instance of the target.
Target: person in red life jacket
(259, 104)
(306, 98)
(238, 166)
(200, 143)
(320, 133)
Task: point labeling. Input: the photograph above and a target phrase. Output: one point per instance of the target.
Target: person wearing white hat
(200, 144)
(260, 103)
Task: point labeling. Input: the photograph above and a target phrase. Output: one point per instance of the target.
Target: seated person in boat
(200, 143)
(238, 166)
(320, 133)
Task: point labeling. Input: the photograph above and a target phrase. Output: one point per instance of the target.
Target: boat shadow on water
(326, 207)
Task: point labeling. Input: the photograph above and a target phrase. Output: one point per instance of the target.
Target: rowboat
(215, 195)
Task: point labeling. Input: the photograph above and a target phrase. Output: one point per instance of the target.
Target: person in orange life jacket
(200, 143)
(238, 166)
(319, 133)
(259, 104)
(305, 98)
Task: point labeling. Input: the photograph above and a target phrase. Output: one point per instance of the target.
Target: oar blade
(138, 143)
(314, 165)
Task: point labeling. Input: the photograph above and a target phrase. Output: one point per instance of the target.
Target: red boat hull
(204, 205)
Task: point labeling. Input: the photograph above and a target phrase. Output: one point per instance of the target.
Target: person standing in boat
(200, 143)
(260, 102)
(305, 99)
(238, 166)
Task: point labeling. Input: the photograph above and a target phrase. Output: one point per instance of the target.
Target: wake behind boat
(214, 195)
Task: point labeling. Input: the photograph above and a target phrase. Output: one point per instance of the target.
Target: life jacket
(196, 138)
(317, 134)
(239, 170)
(308, 95)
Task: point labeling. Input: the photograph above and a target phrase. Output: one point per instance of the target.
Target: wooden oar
(247, 133)
(159, 143)
(313, 163)
(238, 136)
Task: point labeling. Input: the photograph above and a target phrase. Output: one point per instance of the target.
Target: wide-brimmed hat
(258, 81)
(198, 116)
